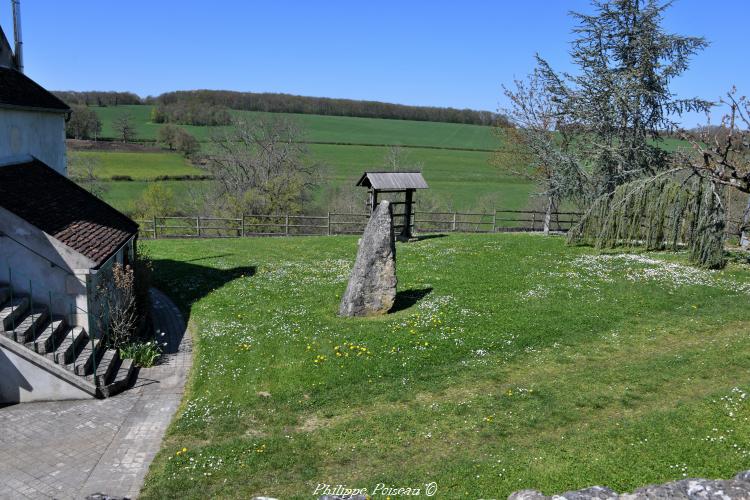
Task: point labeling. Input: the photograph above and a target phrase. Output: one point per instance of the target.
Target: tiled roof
(18, 90)
(67, 212)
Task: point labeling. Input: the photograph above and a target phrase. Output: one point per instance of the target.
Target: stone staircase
(67, 346)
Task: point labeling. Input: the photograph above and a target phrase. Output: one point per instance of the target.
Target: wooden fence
(349, 223)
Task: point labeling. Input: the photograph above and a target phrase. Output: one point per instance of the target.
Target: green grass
(123, 195)
(333, 129)
(514, 362)
(140, 166)
(460, 178)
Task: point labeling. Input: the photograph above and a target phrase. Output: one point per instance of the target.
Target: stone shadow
(186, 282)
(407, 298)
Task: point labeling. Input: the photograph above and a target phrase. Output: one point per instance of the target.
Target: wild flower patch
(728, 431)
(645, 269)
(201, 411)
(591, 271)
(324, 272)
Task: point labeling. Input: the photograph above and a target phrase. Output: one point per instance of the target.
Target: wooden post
(242, 226)
(198, 226)
(494, 220)
(286, 225)
(329, 223)
(533, 221)
(454, 222)
(406, 230)
(155, 227)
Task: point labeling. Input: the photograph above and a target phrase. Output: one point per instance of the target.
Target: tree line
(287, 103)
(97, 98)
(211, 107)
(191, 113)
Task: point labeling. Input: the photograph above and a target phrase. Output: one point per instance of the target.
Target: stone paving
(72, 449)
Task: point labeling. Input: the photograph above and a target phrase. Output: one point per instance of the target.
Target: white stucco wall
(50, 269)
(22, 381)
(36, 133)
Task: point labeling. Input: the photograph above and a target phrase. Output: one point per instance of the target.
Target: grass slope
(124, 195)
(460, 177)
(140, 166)
(332, 129)
(513, 362)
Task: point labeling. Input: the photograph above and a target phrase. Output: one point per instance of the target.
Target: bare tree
(125, 127)
(82, 170)
(397, 159)
(119, 314)
(535, 144)
(721, 153)
(262, 167)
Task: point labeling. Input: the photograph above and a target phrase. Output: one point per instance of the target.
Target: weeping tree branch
(671, 210)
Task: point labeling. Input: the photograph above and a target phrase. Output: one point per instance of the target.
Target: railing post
(286, 225)
(93, 358)
(328, 226)
(242, 226)
(494, 220)
(198, 226)
(533, 221)
(31, 306)
(154, 221)
(454, 222)
(12, 316)
(51, 323)
(72, 339)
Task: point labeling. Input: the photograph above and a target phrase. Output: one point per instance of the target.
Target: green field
(124, 195)
(331, 129)
(511, 362)
(140, 166)
(459, 173)
(460, 178)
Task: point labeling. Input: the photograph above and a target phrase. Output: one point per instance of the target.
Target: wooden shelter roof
(392, 181)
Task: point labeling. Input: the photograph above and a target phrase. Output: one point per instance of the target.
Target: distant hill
(191, 107)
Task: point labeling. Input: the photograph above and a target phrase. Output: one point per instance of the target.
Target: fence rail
(350, 223)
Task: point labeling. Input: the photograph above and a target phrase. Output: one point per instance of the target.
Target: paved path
(71, 449)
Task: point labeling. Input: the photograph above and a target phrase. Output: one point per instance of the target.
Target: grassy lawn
(513, 362)
(141, 166)
(336, 129)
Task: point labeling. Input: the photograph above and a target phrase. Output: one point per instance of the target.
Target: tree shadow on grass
(185, 282)
(407, 298)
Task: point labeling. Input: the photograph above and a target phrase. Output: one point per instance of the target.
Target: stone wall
(703, 489)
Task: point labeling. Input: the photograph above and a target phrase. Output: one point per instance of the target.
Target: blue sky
(424, 53)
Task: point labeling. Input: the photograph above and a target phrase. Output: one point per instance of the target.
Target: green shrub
(143, 354)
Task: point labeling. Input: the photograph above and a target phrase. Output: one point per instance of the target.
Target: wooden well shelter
(407, 183)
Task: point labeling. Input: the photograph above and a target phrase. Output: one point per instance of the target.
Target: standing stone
(372, 285)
